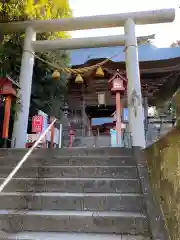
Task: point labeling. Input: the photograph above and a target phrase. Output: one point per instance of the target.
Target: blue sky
(165, 33)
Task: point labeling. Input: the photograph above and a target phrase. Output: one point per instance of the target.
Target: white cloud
(165, 33)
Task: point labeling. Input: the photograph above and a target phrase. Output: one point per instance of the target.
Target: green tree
(45, 92)
(49, 94)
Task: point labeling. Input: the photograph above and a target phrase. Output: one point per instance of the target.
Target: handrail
(14, 171)
(60, 135)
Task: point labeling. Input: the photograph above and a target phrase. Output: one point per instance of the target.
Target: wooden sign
(117, 85)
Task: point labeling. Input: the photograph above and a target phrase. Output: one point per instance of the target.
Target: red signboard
(37, 124)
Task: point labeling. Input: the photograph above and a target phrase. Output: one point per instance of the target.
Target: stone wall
(163, 158)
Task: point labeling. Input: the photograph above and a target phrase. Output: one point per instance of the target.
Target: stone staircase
(72, 194)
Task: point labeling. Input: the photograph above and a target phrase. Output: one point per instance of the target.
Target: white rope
(14, 171)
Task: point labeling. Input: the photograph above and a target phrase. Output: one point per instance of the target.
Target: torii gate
(128, 20)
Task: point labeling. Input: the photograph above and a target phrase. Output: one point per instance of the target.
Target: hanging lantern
(79, 79)
(99, 72)
(56, 75)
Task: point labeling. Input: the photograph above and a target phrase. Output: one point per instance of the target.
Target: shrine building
(91, 103)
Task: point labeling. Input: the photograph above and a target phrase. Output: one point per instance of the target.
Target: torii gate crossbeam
(91, 22)
(128, 20)
(77, 43)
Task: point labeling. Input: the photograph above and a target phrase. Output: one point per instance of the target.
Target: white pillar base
(21, 121)
(135, 108)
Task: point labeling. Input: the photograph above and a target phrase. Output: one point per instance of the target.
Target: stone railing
(163, 158)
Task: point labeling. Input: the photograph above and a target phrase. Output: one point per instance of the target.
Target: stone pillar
(135, 109)
(146, 116)
(26, 72)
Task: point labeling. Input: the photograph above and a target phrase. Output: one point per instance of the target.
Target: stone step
(73, 221)
(73, 201)
(70, 161)
(74, 185)
(67, 236)
(40, 153)
(74, 171)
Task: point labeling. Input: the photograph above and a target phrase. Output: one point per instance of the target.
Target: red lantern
(71, 132)
(118, 83)
(71, 136)
(118, 86)
(7, 90)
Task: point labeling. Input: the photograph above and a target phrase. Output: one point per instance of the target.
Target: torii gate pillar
(26, 72)
(135, 108)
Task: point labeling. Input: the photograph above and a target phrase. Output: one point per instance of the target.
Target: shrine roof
(147, 52)
(159, 67)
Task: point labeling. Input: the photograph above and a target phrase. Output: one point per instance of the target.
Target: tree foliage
(13, 10)
(45, 92)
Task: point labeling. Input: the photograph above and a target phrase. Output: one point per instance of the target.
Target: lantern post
(6, 90)
(117, 84)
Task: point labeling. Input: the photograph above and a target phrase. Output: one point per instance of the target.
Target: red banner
(37, 124)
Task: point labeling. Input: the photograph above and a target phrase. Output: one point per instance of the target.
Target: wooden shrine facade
(159, 80)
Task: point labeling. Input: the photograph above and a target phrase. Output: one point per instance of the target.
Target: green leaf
(11, 49)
